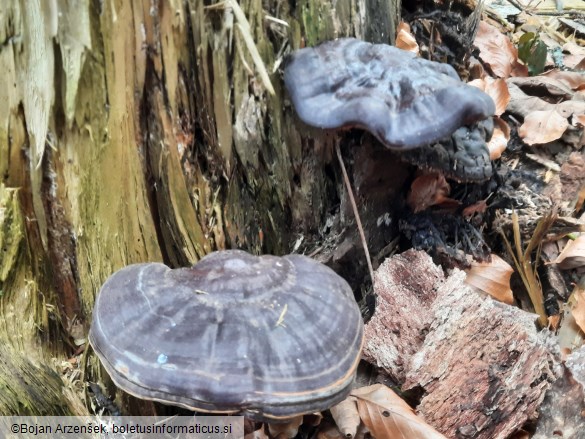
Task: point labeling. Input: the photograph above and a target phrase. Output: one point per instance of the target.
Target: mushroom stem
(355, 211)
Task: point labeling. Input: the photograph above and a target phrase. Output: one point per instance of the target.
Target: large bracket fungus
(405, 101)
(269, 337)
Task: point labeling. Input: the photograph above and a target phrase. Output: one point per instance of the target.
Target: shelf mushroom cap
(268, 337)
(405, 101)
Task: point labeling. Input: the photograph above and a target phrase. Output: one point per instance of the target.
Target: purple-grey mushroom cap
(269, 337)
(405, 101)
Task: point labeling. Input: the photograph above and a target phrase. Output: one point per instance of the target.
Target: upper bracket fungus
(405, 101)
(268, 337)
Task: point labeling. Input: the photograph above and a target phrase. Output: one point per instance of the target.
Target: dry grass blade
(523, 260)
(386, 415)
(358, 221)
(244, 27)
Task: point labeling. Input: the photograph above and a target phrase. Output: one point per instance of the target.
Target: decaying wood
(561, 413)
(481, 366)
(29, 388)
(576, 364)
(403, 313)
(135, 131)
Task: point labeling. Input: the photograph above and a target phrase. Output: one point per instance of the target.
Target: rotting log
(140, 131)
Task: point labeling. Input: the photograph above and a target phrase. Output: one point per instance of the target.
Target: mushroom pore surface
(405, 101)
(269, 337)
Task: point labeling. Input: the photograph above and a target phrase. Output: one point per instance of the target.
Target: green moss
(317, 22)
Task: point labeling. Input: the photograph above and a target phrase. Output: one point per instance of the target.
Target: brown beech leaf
(547, 87)
(496, 50)
(573, 254)
(574, 57)
(578, 308)
(554, 322)
(405, 40)
(257, 434)
(346, 416)
(523, 104)
(476, 208)
(428, 190)
(580, 200)
(542, 127)
(497, 89)
(574, 80)
(500, 138)
(387, 416)
(569, 334)
(492, 278)
(330, 432)
(286, 430)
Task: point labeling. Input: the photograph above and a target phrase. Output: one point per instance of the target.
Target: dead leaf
(520, 434)
(496, 50)
(580, 200)
(363, 432)
(257, 434)
(549, 88)
(405, 40)
(569, 334)
(554, 322)
(387, 416)
(330, 432)
(578, 307)
(500, 138)
(286, 430)
(541, 127)
(575, 56)
(497, 89)
(492, 278)
(428, 190)
(313, 419)
(574, 80)
(580, 66)
(479, 207)
(573, 254)
(522, 104)
(346, 416)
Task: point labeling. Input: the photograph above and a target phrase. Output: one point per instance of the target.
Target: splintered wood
(403, 312)
(481, 365)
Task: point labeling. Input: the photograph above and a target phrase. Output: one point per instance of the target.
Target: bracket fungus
(268, 337)
(405, 101)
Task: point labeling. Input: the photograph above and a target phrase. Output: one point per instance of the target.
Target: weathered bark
(480, 367)
(139, 131)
